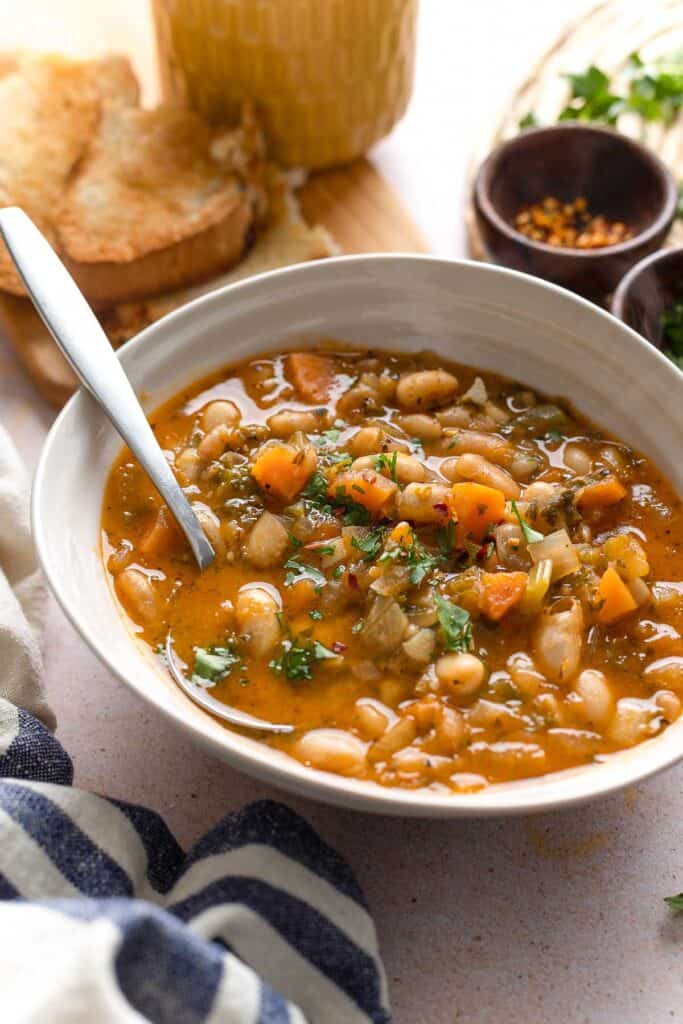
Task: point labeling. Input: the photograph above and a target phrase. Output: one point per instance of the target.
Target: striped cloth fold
(104, 918)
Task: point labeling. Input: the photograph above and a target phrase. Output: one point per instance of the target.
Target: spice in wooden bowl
(570, 225)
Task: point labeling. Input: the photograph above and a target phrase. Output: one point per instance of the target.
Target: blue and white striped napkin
(103, 918)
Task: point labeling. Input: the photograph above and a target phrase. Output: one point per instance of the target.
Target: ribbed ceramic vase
(331, 77)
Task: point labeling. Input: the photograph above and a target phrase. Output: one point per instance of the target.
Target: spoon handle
(78, 335)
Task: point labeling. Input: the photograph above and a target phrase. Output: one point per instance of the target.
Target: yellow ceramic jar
(331, 77)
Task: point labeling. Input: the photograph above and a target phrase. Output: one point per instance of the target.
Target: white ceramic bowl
(485, 316)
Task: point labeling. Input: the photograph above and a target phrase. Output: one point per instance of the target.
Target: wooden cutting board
(606, 35)
(353, 203)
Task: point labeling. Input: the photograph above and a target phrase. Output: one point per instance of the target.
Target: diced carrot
(300, 596)
(164, 536)
(617, 599)
(311, 375)
(402, 534)
(607, 491)
(365, 487)
(282, 470)
(501, 591)
(475, 507)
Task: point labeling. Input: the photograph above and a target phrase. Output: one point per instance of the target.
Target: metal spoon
(82, 341)
(78, 335)
(199, 695)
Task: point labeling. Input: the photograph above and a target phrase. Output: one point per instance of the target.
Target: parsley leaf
(675, 902)
(531, 536)
(370, 545)
(355, 514)
(316, 614)
(294, 541)
(445, 539)
(326, 437)
(298, 658)
(212, 664)
(455, 623)
(301, 571)
(387, 462)
(420, 561)
(528, 121)
(315, 494)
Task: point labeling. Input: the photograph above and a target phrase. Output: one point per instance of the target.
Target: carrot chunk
(311, 375)
(164, 536)
(475, 507)
(282, 470)
(607, 491)
(501, 591)
(365, 487)
(617, 599)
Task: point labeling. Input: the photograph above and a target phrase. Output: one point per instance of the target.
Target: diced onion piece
(540, 578)
(559, 549)
(639, 591)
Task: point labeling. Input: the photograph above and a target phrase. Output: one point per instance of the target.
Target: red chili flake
(338, 647)
(353, 580)
(441, 507)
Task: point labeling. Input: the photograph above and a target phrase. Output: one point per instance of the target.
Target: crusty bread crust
(149, 209)
(49, 111)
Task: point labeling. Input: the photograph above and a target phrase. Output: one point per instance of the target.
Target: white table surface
(553, 918)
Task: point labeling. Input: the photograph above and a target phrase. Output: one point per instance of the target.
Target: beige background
(558, 917)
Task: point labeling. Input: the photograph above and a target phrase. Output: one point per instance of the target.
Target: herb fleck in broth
(439, 577)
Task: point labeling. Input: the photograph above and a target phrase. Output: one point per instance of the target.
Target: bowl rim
(487, 208)
(294, 777)
(620, 297)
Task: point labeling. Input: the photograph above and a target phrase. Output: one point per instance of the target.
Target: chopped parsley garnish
(298, 658)
(338, 572)
(315, 494)
(553, 435)
(455, 623)
(316, 615)
(294, 541)
(675, 902)
(445, 539)
(302, 571)
(420, 561)
(212, 664)
(326, 437)
(528, 121)
(370, 545)
(530, 536)
(387, 462)
(355, 514)
(326, 549)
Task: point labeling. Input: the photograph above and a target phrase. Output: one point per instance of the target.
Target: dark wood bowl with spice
(650, 300)
(578, 205)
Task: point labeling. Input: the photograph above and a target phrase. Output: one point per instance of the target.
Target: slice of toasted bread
(150, 209)
(49, 111)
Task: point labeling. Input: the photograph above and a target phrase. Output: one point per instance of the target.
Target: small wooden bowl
(646, 291)
(620, 178)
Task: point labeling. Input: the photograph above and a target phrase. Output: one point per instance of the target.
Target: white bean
(213, 445)
(426, 389)
(424, 503)
(406, 469)
(288, 421)
(188, 465)
(475, 442)
(480, 471)
(210, 524)
(417, 424)
(597, 700)
(366, 441)
(136, 593)
(256, 611)
(557, 640)
(267, 541)
(462, 674)
(577, 459)
(221, 412)
(332, 750)
(631, 722)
